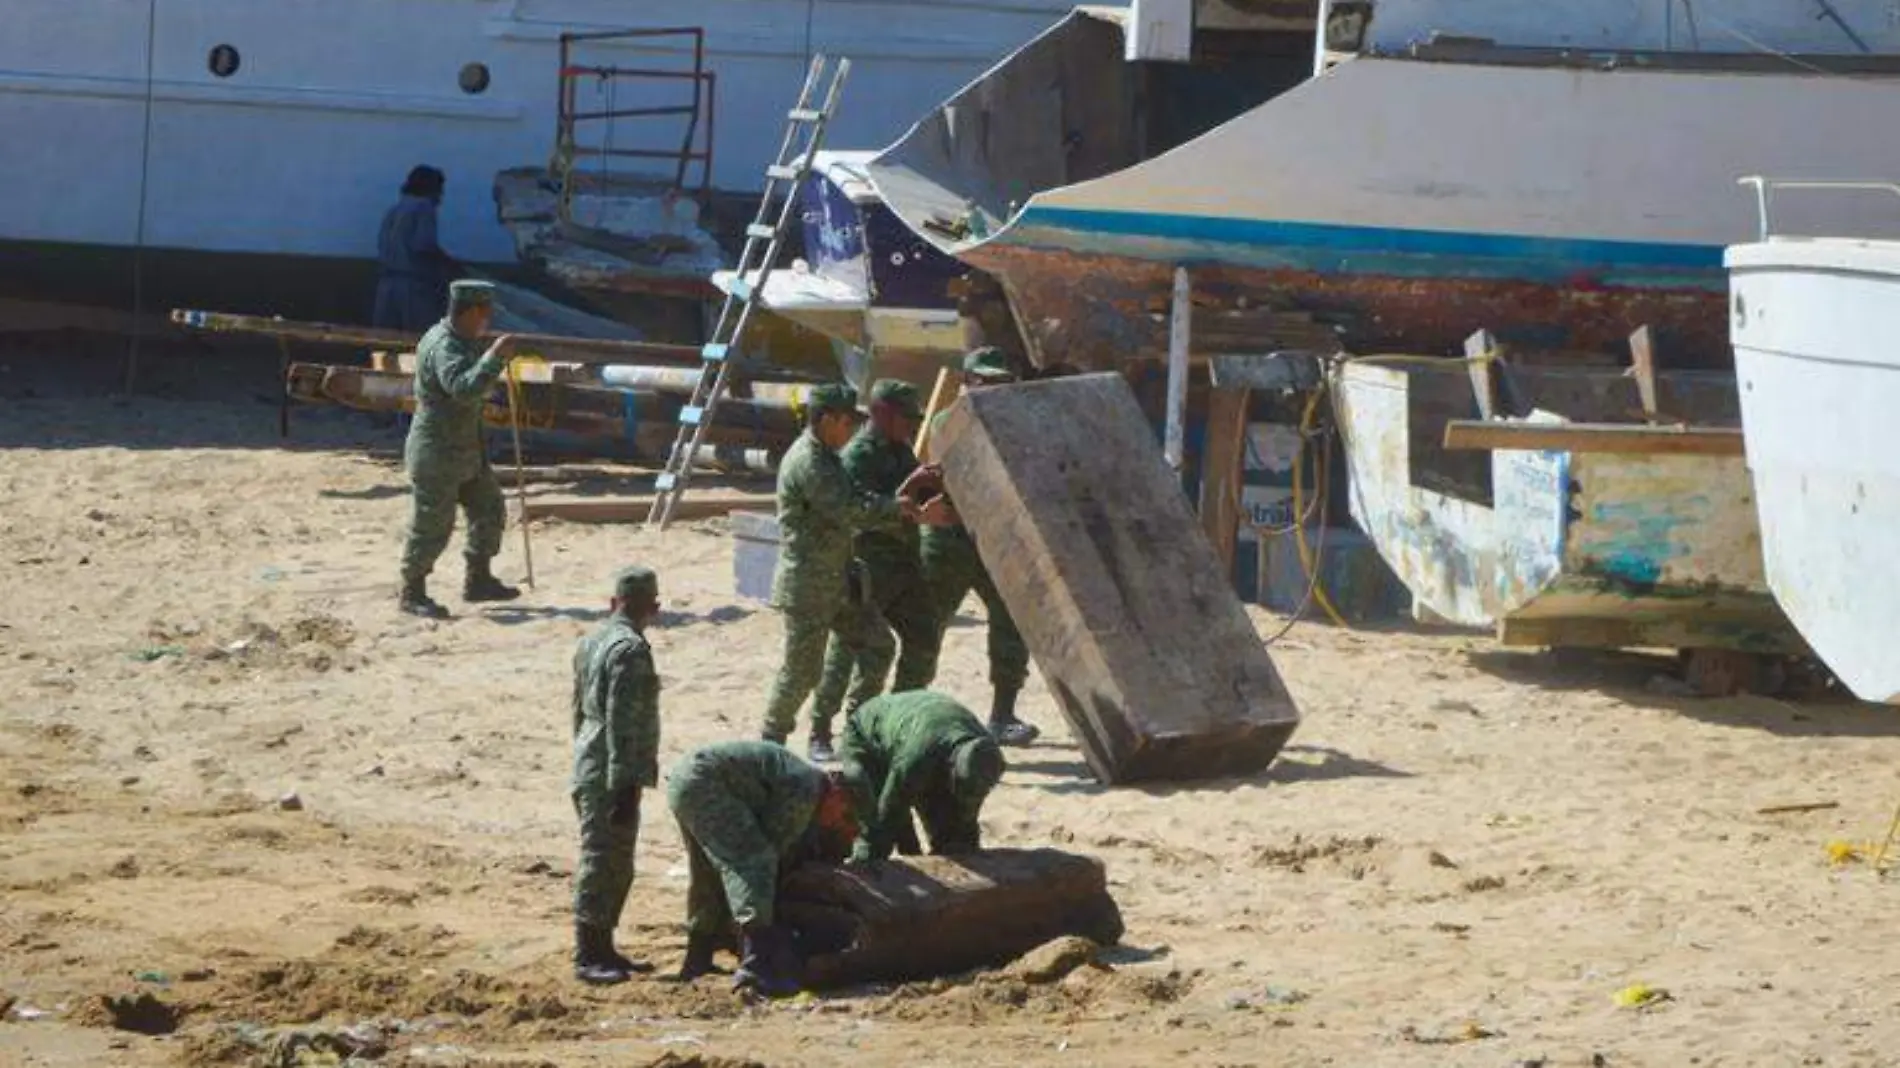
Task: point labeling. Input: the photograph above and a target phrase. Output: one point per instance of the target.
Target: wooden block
(1090, 541)
(1223, 463)
(1593, 437)
(916, 918)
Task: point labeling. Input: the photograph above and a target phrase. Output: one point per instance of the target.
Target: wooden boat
(1576, 523)
(1813, 322)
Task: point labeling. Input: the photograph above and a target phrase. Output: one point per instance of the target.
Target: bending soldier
(919, 751)
(747, 811)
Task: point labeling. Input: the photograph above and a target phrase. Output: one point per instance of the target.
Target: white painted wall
(304, 148)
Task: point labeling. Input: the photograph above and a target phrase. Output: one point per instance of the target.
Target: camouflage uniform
(953, 568)
(917, 751)
(743, 809)
(616, 714)
(445, 454)
(897, 597)
(818, 513)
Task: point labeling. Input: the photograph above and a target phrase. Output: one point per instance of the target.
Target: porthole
(474, 78)
(224, 61)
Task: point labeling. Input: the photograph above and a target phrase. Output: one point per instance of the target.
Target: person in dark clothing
(413, 273)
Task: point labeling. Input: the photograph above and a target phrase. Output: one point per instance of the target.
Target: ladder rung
(741, 289)
(783, 173)
(692, 415)
(804, 114)
(760, 231)
(713, 353)
(665, 482)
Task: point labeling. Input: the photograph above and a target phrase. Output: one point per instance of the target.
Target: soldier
(819, 513)
(747, 811)
(918, 751)
(445, 453)
(879, 462)
(953, 568)
(616, 755)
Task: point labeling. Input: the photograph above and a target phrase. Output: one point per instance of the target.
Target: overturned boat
(1576, 521)
(1545, 173)
(1814, 321)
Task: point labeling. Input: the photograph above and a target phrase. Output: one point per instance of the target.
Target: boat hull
(1556, 548)
(1814, 327)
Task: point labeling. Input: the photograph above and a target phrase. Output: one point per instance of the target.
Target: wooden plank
(1480, 349)
(942, 395)
(1088, 537)
(1593, 437)
(567, 349)
(635, 509)
(915, 918)
(1643, 369)
(1223, 464)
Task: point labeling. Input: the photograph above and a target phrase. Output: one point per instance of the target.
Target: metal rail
(1764, 193)
(694, 148)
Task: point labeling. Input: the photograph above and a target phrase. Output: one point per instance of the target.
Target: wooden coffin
(1119, 595)
(914, 918)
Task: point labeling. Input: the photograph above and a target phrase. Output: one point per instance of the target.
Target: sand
(1463, 858)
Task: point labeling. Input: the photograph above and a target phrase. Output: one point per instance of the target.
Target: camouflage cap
(988, 362)
(833, 397)
(637, 583)
(899, 395)
(471, 293)
(976, 766)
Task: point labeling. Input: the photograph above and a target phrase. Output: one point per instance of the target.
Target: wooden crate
(1131, 618)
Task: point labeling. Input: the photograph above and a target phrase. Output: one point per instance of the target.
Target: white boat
(1814, 323)
(1586, 546)
(1541, 170)
(276, 132)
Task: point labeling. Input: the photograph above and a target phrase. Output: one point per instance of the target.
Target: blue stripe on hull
(1327, 248)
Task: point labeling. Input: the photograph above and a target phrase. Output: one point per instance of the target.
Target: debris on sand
(1055, 959)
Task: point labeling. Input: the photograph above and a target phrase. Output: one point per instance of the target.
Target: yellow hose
(1309, 560)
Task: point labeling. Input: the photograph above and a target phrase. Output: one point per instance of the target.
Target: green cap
(899, 395)
(471, 293)
(637, 584)
(988, 362)
(833, 397)
(976, 766)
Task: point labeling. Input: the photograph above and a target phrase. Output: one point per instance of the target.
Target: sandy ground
(1465, 855)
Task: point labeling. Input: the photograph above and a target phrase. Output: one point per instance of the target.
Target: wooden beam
(1223, 470)
(1480, 349)
(1180, 334)
(941, 396)
(1643, 369)
(567, 349)
(1593, 437)
(635, 509)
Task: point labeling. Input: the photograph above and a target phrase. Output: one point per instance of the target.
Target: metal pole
(1173, 441)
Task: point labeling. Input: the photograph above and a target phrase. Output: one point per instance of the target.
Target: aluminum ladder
(804, 133)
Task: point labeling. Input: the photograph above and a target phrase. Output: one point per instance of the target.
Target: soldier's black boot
(768, 964)
(820, 750)
(1004, 726)
(594, 958)
(699, 957)
(482, 585)
(415, 601)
